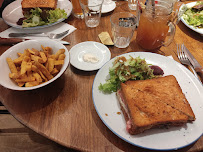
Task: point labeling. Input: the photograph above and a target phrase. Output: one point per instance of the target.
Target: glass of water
(92, 11)
(132, 4)
(123, 25)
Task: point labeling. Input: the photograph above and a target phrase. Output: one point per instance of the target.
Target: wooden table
(64, 112)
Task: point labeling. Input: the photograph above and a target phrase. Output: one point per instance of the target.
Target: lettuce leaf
(37, 17)
(126, 69)
(194, 18)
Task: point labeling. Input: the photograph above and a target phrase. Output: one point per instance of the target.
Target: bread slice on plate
(153, 103)
(43, 4)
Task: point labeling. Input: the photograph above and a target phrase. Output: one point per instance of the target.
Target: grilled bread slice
(153, 103)
(43, 4)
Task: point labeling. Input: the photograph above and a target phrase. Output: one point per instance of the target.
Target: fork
(184, 59)
(50, 35)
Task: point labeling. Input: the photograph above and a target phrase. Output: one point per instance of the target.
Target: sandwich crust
(154, 103)
(44, 4)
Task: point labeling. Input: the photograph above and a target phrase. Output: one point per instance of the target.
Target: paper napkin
(58, 28)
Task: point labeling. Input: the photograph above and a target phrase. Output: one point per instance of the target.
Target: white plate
(156, 139)
(108, 8)
(13, 12)
(97, 49)
(198, 30)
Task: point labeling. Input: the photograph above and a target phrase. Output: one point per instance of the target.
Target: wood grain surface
(64, 112)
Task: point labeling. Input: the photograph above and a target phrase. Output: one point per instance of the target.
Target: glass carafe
(155, 26)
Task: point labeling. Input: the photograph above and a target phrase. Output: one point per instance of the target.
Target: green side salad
(39, 17)
(126, 69)
(193, 16)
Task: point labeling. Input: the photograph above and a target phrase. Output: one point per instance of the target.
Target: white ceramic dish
(20, 47)
(155, 139)
(108, 7)
(198, 30)
(97, 49)
(13, 12)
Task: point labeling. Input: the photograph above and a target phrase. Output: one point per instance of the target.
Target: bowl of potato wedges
(33, 64)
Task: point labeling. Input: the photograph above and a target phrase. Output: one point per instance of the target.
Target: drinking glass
(92, 11)
(77, 10)
(155, 28)
(123, 25)
(132, 4)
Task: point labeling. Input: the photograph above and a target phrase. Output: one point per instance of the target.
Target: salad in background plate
(193, 16)
(39, 17)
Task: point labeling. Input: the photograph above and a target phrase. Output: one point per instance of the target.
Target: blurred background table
(69, 117)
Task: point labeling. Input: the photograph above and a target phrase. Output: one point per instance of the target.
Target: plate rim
(113, 7)
(123, 138)
(93, 69)
(36, 27)
(190, 26)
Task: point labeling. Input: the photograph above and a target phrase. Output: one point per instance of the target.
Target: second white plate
(198, 30)
(95, 48)
(173, 138)
(13, 12)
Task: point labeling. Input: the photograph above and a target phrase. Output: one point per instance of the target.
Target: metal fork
(50, 35)
(184, 59)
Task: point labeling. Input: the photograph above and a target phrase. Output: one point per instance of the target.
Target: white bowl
(20, 47)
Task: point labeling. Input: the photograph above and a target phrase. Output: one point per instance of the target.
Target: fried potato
(36, 52)
(14, 75)
(36, 58)
(61, 57)
(37, 77)
(21, 84)
(19, 59)
(43, 56)
(19, 54)
(34, 67)
(31, 84)
(59, 62)
(43, 69)
(59, 52)
(51, 64)
(27, 79)
(11, 65)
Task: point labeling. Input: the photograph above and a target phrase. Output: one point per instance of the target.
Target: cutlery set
(17, 37)
(50, 35)
(187, 58)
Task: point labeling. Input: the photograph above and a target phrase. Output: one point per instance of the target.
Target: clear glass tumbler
(92, 11)
(132, 4)
(123, 25)
(77, 10)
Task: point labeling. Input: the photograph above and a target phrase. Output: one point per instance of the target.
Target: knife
(198, 68)
(11, 41)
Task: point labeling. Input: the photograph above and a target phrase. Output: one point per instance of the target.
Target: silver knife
(11, 41)
(198, 68)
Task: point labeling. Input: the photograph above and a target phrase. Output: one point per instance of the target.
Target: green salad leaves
(39, 17)
(193, 16)
(125, 69)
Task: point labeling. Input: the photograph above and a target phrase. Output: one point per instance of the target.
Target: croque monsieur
(43, 4)
(151, 103)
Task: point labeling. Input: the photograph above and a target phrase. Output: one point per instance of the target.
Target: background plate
(108, 8)
(198, 30)
(13, 12)
(156, 139)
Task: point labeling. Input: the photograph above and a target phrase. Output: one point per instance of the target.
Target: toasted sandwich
(152, 103)
(42, 4)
